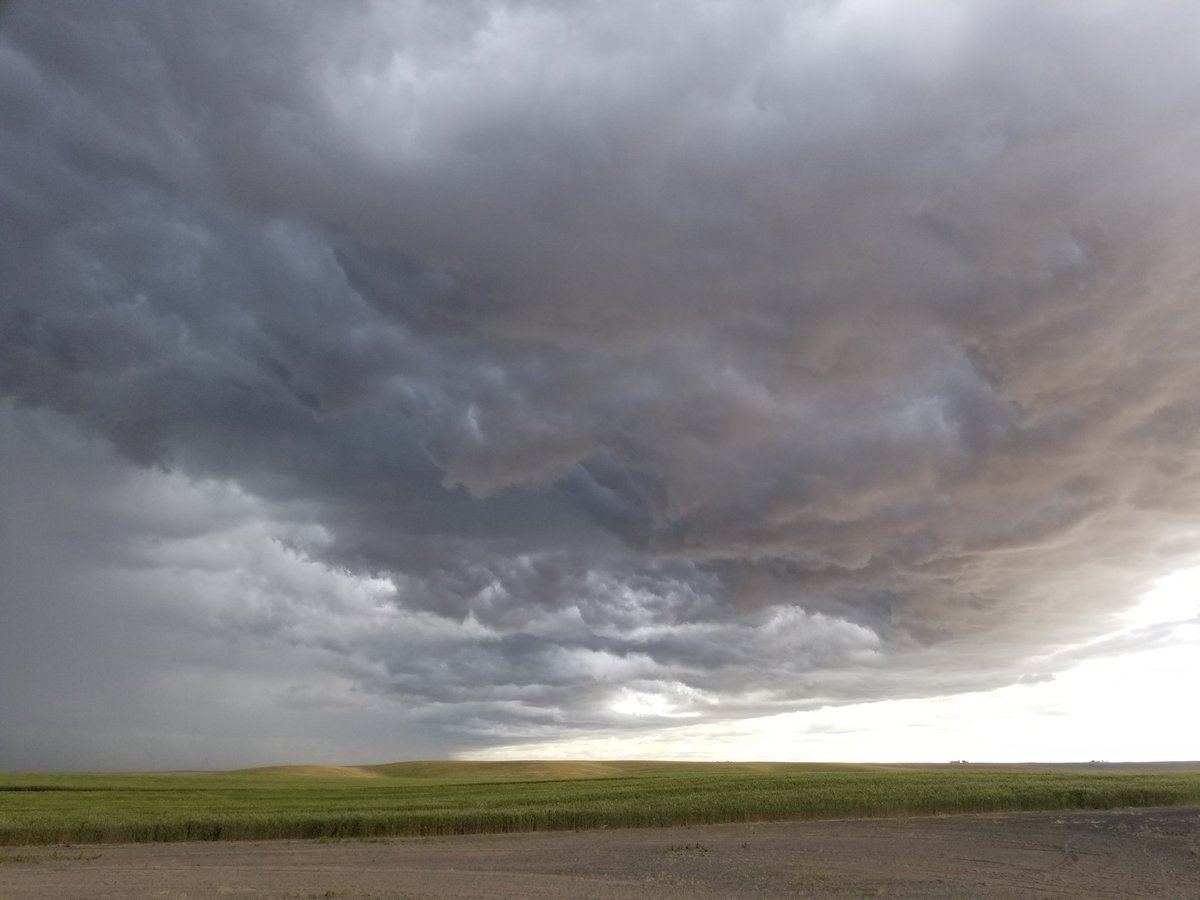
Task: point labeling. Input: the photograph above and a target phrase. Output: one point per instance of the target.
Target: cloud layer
(618, 362)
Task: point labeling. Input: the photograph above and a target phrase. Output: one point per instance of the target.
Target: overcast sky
(383, 380)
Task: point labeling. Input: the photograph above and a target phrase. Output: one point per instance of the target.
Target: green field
(440, 798)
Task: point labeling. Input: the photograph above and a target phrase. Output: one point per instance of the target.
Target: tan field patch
(313, 771)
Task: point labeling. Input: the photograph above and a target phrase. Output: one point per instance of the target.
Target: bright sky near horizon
(512, 378)
(1125, 707)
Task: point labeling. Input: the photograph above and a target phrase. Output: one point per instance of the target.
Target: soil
(1122, 853)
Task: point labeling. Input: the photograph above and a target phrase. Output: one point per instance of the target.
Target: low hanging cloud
(643, 361)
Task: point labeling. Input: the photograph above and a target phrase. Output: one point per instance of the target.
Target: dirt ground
(1124, 853)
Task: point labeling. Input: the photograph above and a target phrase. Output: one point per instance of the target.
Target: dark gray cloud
(751, 359)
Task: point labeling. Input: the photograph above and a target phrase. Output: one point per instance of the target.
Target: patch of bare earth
(1123, 853)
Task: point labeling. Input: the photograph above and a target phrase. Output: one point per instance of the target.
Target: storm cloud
(519, 369)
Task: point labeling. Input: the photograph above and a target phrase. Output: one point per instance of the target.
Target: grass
(444, 798)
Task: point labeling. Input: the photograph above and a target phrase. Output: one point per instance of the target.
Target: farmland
(445, 798)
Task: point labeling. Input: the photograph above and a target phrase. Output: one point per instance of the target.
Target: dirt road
(1125, 853)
